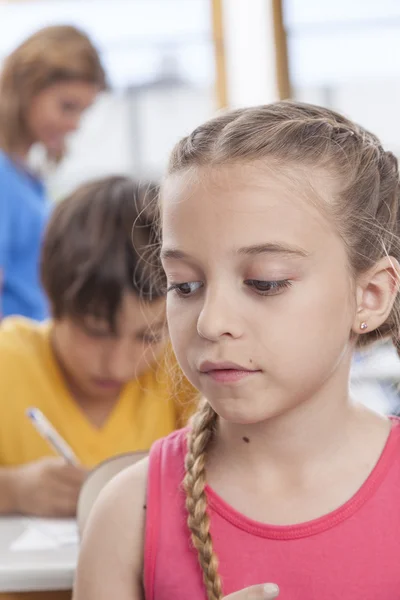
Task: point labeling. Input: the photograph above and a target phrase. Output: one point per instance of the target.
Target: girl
(45, 86)
(292, 264)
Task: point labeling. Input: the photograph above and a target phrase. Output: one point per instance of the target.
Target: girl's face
(261, 301)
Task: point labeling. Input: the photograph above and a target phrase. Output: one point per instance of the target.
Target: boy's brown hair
(98, 246)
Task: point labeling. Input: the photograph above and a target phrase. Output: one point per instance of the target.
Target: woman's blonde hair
(53, 54)
(364, 208)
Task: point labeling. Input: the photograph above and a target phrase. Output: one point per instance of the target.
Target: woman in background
(45, 86)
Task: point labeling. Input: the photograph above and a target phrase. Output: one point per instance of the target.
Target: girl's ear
(376, 291)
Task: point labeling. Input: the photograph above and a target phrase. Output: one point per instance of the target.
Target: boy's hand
(48, 488)
(256, 592)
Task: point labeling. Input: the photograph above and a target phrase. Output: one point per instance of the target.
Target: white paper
(33, 539)
(46, 534)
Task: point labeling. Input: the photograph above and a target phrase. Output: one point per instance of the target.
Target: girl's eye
(268, 288)
(185, 289)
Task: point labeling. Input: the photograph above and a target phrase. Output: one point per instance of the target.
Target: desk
(34, 570)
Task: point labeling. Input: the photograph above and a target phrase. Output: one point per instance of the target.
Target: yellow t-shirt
(147, 409)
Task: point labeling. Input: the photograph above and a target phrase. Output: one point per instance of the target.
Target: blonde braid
(202, 430)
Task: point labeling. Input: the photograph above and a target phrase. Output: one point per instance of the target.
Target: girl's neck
(312, 432)
(300, 465)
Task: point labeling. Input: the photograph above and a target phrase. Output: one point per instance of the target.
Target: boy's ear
(376, 292)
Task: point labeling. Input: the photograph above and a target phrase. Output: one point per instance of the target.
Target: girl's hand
(256, 592)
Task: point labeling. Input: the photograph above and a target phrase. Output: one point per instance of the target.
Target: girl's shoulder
(113, 539)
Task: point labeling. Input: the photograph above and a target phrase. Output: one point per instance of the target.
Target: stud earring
(363, 326)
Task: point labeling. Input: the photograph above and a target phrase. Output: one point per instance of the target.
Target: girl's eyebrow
(255, 250)
(173, 253)
(273, 248)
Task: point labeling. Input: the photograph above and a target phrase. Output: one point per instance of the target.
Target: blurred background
(173, 63)
(158, 55)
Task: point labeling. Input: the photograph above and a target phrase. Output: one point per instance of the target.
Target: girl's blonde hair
(53, 54)
(364, 209)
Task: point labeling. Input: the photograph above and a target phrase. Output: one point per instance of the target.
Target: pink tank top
(352, 553)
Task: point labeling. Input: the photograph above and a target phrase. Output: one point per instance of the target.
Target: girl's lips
(229, 375)
(226, 372)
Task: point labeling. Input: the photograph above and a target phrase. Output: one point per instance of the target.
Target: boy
(98, 370)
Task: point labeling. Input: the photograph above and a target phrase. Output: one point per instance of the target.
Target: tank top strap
(165, 497)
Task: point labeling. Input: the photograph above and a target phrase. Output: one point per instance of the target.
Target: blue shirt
(24, 212)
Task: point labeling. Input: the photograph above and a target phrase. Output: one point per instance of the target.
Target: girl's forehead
(243, 196)
(292, 183)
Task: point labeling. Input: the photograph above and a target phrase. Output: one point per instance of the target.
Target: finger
(256, 592)
(67, 489)
(64, 505)
(69, 474)
(53, 462)
(76, 474)
(55, 507)
(62, 497)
